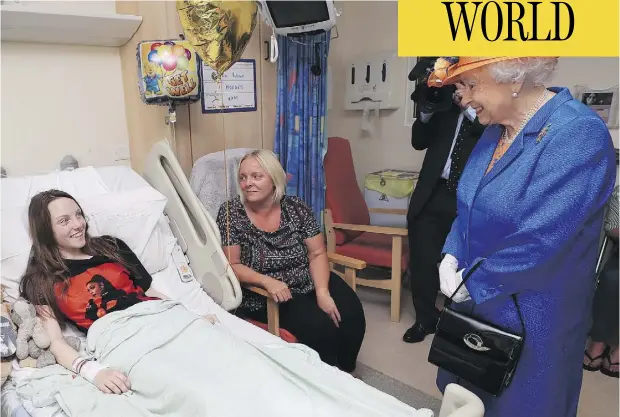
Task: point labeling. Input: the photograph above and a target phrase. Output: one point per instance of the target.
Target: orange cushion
(284, 334)
(374, 249)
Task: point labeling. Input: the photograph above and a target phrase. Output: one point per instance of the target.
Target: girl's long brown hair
(46, 267)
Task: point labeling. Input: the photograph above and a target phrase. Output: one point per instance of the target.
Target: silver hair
(536, 70)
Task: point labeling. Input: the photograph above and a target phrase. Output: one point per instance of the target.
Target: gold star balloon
(219, 31)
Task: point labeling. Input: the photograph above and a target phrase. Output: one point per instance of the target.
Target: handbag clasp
(475, 342)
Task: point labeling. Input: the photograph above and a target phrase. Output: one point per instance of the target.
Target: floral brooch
(543, 133)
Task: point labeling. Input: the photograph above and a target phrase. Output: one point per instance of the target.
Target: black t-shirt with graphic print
(100, 285)
(281, 254)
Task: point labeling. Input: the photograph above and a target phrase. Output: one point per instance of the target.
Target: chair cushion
(342, 195)
(284, 334)
(375, 249)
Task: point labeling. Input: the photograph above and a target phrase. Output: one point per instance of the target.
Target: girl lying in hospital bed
(161, 358)
(73, 277)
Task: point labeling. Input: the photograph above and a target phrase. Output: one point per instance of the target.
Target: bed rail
(193, 227)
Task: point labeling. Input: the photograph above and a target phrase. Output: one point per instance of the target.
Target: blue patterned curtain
(301, 127)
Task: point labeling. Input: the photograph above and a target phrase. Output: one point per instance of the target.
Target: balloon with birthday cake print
(168, 72)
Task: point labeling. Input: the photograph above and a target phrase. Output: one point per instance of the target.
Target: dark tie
(456, 166)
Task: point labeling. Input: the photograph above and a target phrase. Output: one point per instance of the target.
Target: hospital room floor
(384, 351)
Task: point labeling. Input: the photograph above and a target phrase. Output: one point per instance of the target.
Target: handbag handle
(513, 296)
(471, 271)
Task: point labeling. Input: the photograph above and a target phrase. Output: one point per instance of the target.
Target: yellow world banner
(508, 28)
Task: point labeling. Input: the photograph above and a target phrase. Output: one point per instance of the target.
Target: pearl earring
(514, 94)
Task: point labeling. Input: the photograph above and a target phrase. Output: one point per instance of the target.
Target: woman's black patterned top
(281, 254)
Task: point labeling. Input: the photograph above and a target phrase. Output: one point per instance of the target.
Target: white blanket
(220, 374)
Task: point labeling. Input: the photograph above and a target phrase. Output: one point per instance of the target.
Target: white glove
(462, 294)
(447, 274)
(450, 279)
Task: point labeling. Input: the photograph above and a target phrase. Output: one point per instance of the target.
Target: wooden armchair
(348, 229)
(351, 266)
(377, 245)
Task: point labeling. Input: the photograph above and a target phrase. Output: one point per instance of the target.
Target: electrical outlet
(122, 153)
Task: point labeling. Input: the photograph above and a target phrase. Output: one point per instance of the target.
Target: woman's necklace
(541, 99)
(505, 142)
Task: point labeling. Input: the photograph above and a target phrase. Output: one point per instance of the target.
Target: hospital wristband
(90, 369)
(78, 362)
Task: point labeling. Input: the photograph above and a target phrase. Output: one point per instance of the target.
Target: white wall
(367, 26)
(62, 99)
(66, 6)
(596, 73)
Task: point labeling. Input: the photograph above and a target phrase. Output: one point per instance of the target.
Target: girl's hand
(112, 381)
(211, 318)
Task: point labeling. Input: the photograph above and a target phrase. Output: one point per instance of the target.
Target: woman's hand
(447, 275)
(450, 279)
(462, 294)
(327, 304)
(112, 381)
(278, 290)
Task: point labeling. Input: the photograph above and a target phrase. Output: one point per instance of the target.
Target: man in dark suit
(448, 138)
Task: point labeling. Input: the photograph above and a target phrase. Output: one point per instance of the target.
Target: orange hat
(446, 70)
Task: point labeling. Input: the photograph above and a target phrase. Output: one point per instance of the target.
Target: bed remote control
(182, 264)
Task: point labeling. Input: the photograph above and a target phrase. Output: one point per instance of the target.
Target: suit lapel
(525, 137)
(480, 158)
(515, 150)
(449, 134)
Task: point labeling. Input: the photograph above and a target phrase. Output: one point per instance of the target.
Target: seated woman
(274, 242)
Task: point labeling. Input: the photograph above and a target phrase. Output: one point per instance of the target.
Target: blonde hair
(270, 164)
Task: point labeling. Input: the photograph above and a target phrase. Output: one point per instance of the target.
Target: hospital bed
(194, 270)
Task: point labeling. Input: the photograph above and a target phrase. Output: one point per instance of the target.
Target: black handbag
(476, 351)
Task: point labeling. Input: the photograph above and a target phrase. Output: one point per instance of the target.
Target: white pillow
(82, 182)
(156, 254)
(15, 251)
(15, 238)
(136, 217)
(12, 270)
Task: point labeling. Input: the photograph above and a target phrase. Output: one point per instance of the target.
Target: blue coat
(535, 220)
